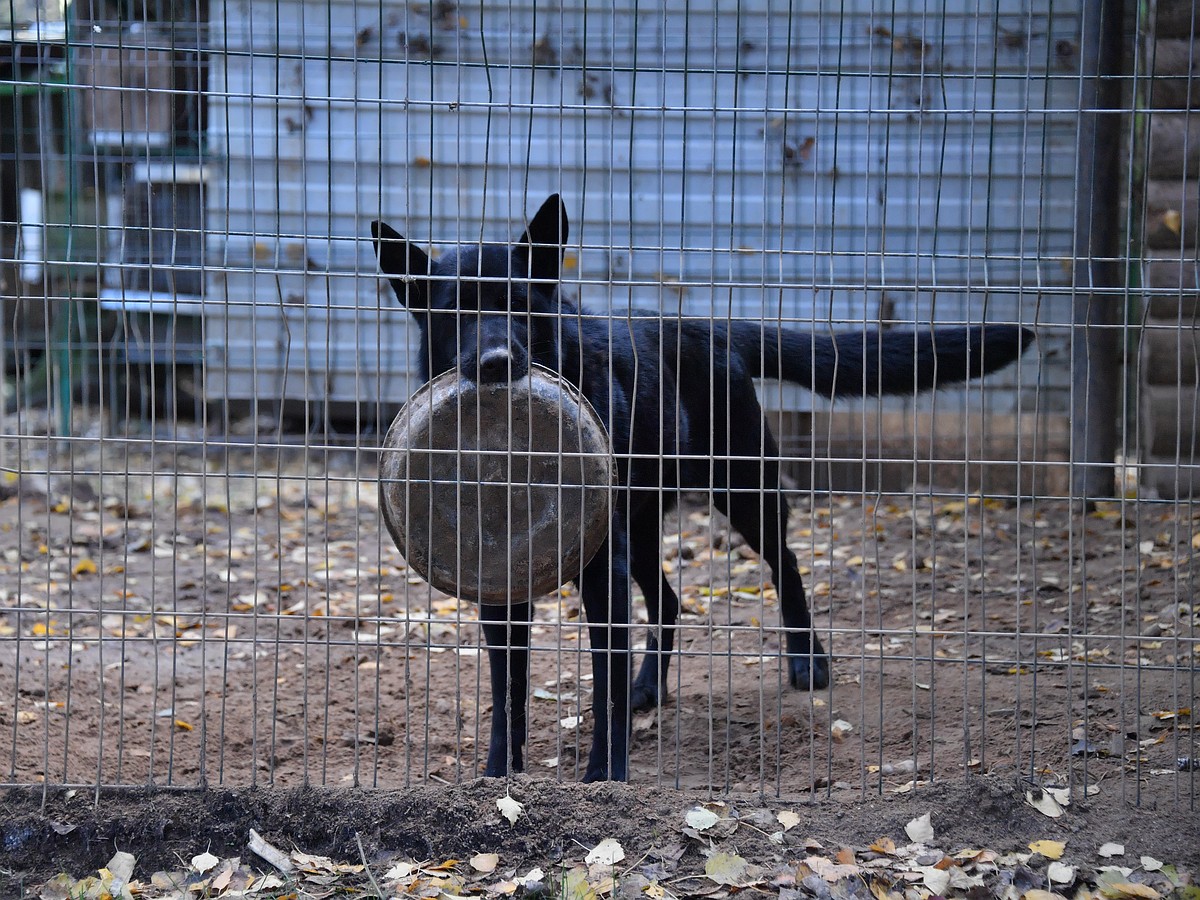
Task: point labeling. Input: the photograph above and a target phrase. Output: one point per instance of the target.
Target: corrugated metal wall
(828, 165)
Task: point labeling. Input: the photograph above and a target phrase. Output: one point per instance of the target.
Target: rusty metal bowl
(497, 493)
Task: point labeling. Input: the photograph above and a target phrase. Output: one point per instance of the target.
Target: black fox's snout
(495, 362)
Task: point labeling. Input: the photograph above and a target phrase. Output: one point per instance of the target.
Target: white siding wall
(827, 166)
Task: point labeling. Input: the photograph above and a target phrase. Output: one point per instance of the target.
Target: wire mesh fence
(203, 348)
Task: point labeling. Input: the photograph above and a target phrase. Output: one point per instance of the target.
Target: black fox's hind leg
(759, 512)
(662, 609)
(506, 629)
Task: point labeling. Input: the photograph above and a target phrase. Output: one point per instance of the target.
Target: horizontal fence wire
(221, 527)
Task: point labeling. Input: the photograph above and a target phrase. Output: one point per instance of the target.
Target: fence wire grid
(202, 357)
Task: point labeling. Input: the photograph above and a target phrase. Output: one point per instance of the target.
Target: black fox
(678, 399)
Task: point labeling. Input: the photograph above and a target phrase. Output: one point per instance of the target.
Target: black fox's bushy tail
(856, 364)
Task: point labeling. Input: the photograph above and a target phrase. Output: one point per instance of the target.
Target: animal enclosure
(201, 358)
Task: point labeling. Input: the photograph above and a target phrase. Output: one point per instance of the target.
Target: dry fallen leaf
(223, 880)
(830, 871)
(530, 878)
(509, 808)
(1037, 894)
(1049, 849)
(1044, 803)
(1111, 849)
(268, 882)
(700, 818)
(1060, 873)
(937, 880)
(399, 871)
(726, 868)
(485, 863)
(202, 862)
(787, 819)
(1128, 890)
(606, 853)
(920, 830)
(121, 866)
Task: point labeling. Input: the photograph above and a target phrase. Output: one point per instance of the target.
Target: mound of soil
(77, 831)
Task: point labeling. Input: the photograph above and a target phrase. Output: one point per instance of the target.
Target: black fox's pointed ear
(541, 246)
(405, 264)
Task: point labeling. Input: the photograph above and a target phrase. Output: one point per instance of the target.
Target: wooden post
(1098, 309)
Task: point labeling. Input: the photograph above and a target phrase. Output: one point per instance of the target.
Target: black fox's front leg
(506, 629)
(662, 611)
(605, 589)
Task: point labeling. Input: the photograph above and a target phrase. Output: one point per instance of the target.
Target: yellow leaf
(1049, 849)
(1182, 713)
(1173, 221)
(884, 845)
(183, 726)
(1122, 890)
(726, 868)
(84, 567)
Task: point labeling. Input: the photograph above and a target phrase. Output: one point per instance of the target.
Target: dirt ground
(560, 822)
(175, 615)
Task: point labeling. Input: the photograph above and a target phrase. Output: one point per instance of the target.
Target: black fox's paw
(646, 693)
(601, 773)
(498, 766)
(642, 699)
(809, 678)
(650, 687)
